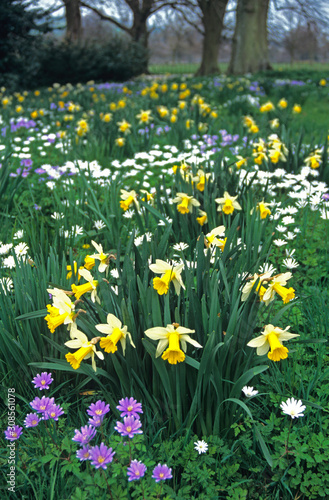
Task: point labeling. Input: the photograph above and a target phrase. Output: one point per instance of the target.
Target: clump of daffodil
(314, 160)
(249, 122)
(228, 204)
(169, 273)
(259, 289)
(128, 198)
(283, 103)
(259, 151)
(277, 150)
(264, 211)
(107, 117)
(185, 203)
(120, 141)
(62, 310)
(163, 111)
(212, 238)
(171, 339)
(144, 116)
(265, 108)
(200, 179)
(276, 285)
(82, 128)
(86, 349)
(124, 127)
(101, 256)
(147, 196)
(69, 270)
(274, 124)
(241, 161)
(183, 169)
(203, 217)
(271, 340)
(297, 109)
(115, 332)
(90, 286)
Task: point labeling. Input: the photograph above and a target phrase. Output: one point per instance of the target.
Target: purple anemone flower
(136, 470)
(129, 427)
(42, 381)
(98, 409)
(31, 420)
(53, 412)
(161, 473)
(96, 421)
(129, 407)
(83, 453)
(42, 405)
(84, 435)
(100, 456)
(13, 433)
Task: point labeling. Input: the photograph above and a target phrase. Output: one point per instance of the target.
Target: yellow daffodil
(241, 161)
(144, 116)
(228, 204)
(203, 218)
(107, 117)
(282, 103)
(90, 286)
(89, 262)
(201, 179)
(61, 312)
(168, 273)
(323, 82)
(128, 198)
(276, 285)
(170, 340)
(120, 141)
(314, 160)
(260, 289)
(86, 349)
(213, 240)
(271, 340)
(124, 127)
(115, 332)
(265, 108)
(101, 256)
(274, 123)
(297, 109)
(185, 203)
(264, 211)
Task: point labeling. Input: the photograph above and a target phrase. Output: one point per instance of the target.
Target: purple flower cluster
(130, 410)
(84, 435)
(97, 411)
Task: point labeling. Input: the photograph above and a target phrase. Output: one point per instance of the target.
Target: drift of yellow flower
(265, 108)
(128, 198)
(101, 256)
(172, 342)
(169, 273)
(86, 349)
(61, 312)
(276, 285)
(185, 203)
(144, 116)
(227, 204)
(271, 340)
(115, 332)
(201, 179)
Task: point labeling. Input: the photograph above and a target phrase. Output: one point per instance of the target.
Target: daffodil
(314, 160)
(61, 312)
(115, 332)
(260, 289)
(90, 286)
(169, 273)
(271, 340)
(276, 285)
(171, 339)
(297, 109)
(185, 203)
(201, 179)
(124, 127)
(282, 103)
(265, 108)
(264, 211)
(241, 161)
(89, 262)
(228, 203)
(144, 116)
(101, 256)
(86, 350)
(213, 240)
(128, 198)
(203, 218)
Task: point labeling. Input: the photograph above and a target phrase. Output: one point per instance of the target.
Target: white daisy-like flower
(99, 224)
(180, 246)
(288, 220)
(201, 446)
(9, 262)
(290, 252)
(267, 268)
(114, 273)
(279, 242)
(281, 229)
(6, 284)
(293, 408)
(139, 240)
(128, 214)
(290, 263)
(163, 223)
(21, 249)
(57, 215)
(77, 230)
(249, 391)
(5, 248)
(19, 234)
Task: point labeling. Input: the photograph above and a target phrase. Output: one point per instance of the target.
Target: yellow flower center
(228, 207)
(43, 382)
(287, 294)
(109, 344)
(128, 428)
(98, 412)
(100, 460)
(173, 354)
(76, 358)
(278, 351)
(125, 204)
(42, 407)
(129, 408)
(161, 474)
(34, 422)
(183, 206)
(161, 285)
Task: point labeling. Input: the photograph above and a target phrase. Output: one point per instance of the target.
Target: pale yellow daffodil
(271, 340)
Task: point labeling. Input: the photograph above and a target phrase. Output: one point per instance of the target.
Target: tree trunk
(73, 20)
(250, 44)
(213, 12)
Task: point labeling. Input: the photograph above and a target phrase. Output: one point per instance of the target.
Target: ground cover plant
(164, 274)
